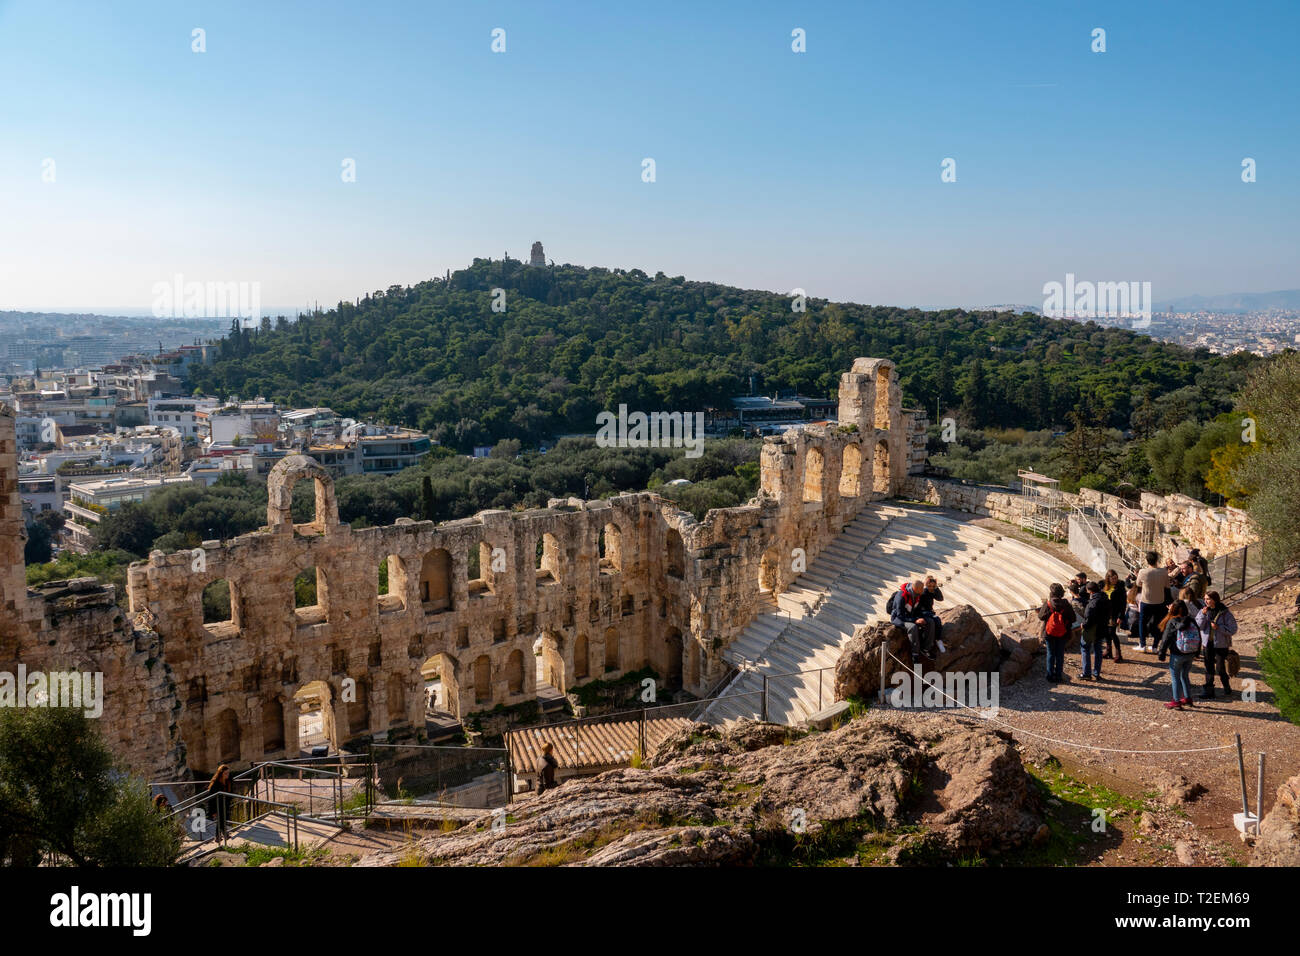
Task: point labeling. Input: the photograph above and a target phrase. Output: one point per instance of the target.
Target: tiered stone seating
(805, 628)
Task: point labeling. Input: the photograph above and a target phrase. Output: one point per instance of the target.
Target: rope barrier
(1055, 740)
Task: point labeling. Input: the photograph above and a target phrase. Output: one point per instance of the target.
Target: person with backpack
(904, 609)
(1152, 581)
(1096, 621)
(1058, 619)
(1217, 627)
(1182, 642)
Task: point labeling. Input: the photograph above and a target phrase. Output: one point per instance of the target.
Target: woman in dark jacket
(1117, 603)
(1096, 621)
(1058, 618)
(219, 789)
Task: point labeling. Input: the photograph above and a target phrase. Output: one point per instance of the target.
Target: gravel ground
(1125, 712)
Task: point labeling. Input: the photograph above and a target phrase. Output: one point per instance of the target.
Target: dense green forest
(573, 341)
(1097, 407)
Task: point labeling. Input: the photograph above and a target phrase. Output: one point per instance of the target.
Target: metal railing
(204, 812)
(316, 785)
(1127, 551)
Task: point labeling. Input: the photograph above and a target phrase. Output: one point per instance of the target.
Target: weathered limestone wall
(1213, 530)
(607, 587)
(984, 500)
(76, 626)
(1184, 522)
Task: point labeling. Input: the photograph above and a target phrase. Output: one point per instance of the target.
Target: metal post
(884, 651)
(1241, 767)
(763, 711)
(820, 671)
(1259, 795)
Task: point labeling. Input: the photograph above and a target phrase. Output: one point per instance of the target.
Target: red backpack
(1056, 626)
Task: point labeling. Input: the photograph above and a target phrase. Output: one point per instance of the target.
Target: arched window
(515, 672)
(217, 603)
(479, 563)
(482, 679)
(310, 599)
(675, 564)
(435, 581)
(813, 466)
(548, 559)
(392, 584)
(612, 656)
(580, 657)
(851, 472)
(228, 736)
(611, 549)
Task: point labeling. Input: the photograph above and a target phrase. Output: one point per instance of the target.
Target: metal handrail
(290, 812)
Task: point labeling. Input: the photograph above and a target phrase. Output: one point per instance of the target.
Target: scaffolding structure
(1040, 504)
(1137, 531)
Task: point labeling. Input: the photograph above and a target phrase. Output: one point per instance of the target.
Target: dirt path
(1125, 712)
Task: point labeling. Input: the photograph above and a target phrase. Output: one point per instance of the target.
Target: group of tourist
(1168, 610)
(911, 607)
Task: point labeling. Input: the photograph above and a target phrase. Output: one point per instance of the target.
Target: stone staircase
(805, 628)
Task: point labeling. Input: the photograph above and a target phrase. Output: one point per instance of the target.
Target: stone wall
(1183, 522)
(600, 587)
(988, 501)
(1196, 525)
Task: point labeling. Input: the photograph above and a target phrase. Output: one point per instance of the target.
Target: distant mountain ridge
(1234, 302)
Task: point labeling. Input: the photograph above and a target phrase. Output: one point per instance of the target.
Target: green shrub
(1279, 659)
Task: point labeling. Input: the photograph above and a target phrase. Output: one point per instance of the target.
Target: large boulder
(1279, 834)
(969, 642)
(1017, 652)
(930, 787)
(857, 672)
(969, 646)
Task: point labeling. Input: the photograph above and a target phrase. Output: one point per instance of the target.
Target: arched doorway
(673, 659)
(314, 703)
(550, 661)
(581, 663)
(227, 736)
(768, 570)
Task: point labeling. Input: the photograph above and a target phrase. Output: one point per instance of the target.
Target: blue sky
(819, 170)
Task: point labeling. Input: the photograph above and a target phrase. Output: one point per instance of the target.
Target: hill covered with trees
(572, 341)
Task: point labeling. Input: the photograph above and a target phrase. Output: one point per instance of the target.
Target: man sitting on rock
(929, 596)
(904, 609)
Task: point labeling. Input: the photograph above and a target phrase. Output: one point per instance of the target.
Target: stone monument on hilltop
(536, 257)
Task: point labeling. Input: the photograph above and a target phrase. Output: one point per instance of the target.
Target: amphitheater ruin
(605, 587)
